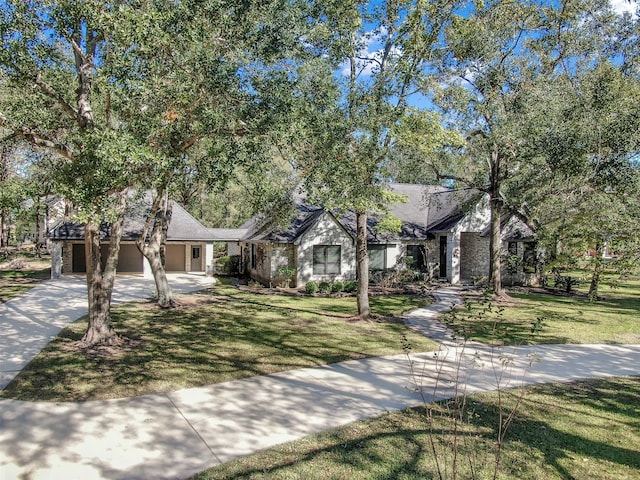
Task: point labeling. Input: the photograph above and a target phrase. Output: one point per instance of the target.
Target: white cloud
(621, 6)
(369, 54)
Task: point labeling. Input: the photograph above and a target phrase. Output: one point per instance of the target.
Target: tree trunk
(495, 205)
(362, 266)
(38, 241)
(3, 229)
(597, 270)
(100, 281)
(153, 245)
(495, 266)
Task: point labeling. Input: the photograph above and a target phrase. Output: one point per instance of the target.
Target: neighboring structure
(42, 218)
(444, 233)
(189, 243)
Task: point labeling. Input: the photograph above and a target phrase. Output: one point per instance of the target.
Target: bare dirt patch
(126, 344)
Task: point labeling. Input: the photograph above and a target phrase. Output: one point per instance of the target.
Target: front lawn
(614, 318)
(216, 335)
(20, 272)
(583, 430)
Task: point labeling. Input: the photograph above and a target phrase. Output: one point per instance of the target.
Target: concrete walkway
(174, 435)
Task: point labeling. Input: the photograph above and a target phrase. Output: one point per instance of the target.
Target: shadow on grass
(17, 282)
(326, 306)
(213, 339)
(584, 400)
(623, 301)
(544, 318)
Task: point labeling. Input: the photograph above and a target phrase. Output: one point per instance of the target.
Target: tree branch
(36, 139)
(475, 133)
(447, 176)
(48, 90)
(150, 219)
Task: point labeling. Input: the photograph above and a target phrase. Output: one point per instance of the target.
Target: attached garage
(189, 246)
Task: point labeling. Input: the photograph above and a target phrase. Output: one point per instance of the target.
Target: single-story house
(444, 233)
(189, 243)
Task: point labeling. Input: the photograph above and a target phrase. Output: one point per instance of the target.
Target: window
(254, 256)
(326, 259)
(529, 257)
(513, 248)
(377, 257)
(195, 253)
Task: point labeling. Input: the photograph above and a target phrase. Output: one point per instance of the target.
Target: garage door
(130, 259)
(79, 262)
(175, 259)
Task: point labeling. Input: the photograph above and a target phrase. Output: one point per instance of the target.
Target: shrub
(311, 287)
(284, 276)
(324, 287)
(350, 286)
(337, 286)
(227, 265)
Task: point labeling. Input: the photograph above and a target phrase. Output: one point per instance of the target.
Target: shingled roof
(183, 226)
(305, 217)
(427, 209)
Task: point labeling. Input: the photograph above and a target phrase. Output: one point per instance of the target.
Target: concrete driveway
(30, 321)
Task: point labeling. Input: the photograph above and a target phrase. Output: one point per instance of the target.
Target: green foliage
(227, 265)
(512, 262)
(311, 287)
(285, 275)
(350, 286)
(337, 286)
(324, 287)
(286, 271)
(389, 224)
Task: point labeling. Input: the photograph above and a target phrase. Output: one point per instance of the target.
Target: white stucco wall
(395, 251)
(326, 232)
(208, 258)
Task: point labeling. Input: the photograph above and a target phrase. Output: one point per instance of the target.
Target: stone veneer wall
(474, 256)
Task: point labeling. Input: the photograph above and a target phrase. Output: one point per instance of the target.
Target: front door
(443, 257)
(196, 258)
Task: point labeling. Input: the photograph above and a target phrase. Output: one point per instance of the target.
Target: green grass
(217, 335)
(565, 319)
(589, 429)
(16, 281)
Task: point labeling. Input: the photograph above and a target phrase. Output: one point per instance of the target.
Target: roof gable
(305, 217)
